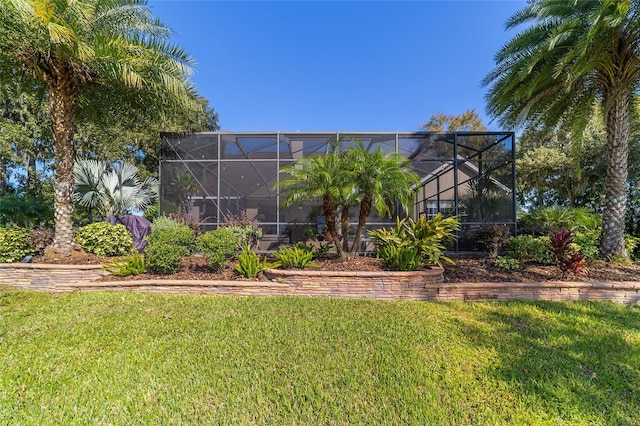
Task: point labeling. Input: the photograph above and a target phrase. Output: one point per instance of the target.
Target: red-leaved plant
(561, 247)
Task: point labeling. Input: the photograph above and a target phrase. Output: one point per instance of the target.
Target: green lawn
(138, 358)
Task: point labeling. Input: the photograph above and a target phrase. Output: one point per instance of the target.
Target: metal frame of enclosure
(214, 175)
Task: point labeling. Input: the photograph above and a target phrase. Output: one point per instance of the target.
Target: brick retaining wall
(377, 285)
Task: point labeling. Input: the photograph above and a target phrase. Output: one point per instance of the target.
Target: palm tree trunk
(365, 209)
(329, 208)
(62, 107)
(615, 202)
(344, 224)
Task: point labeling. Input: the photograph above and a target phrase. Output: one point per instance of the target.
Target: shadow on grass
(579, 362)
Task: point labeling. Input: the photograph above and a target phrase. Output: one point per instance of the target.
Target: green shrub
(133, 265)
(163, 257)
(293, 257)
(549, 219)
(167, 244)
(320, 251)
(104, 239)
(249, 263)
(507, 263)
(526, 248)
(401, 258)
(166, 230)
(587, 242)
(218, 245)
(246, 234)
(427, 236)
(14, 244)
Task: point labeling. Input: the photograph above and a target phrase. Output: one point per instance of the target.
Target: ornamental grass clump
(412, 244)
(104, 239)
(294, 257)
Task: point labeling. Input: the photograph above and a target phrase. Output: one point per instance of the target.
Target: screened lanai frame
(217, 174)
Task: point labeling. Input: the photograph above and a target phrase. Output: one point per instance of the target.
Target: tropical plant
(570, 56)
(249, 263)
(294, 257)
(14, 243)
(316, 177)
(493, 238)
(427, 236)
(133, 265)
(380, 180)
(91, 55)
(25, 210)
(104, 239)
(400, 257)
(562, 248)
(112, 190)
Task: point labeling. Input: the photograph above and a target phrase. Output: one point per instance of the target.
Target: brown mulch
(466, 269)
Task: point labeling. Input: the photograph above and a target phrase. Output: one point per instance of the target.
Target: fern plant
(249, 263)
(133, 265)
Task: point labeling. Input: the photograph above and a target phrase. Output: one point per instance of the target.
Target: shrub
(167, 244)
(293, 257)
(133, 265)
(547, 219)
(493, 238)
(427, 236)
(248, 235)
(249, 263)
(631, 244)
(562, 248)
(587, 242)
(218, 245)
(507, 263)
(163, 257)
(14, 244)
(320, 251)
(526, 248)
(401, 258)
(104, 239)
(167, 230)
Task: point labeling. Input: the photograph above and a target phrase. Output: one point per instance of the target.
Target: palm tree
(317, 177)
(112, 190)
(572, 55)
(81, 53)
(380, 180)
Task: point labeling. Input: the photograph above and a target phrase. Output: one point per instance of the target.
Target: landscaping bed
(466, 269)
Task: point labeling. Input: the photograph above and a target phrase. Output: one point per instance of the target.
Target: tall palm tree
(317, 177)
(571, 55)
(380, 180)
(86, 54)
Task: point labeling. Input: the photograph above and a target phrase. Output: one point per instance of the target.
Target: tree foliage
(569, 56)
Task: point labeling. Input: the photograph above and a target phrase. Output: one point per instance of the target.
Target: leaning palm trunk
(365, 210)
(344, 224)
(615, 203)
(62, 105)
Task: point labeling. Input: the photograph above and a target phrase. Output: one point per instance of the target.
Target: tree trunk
(62, 107)
(344, 224)
(615, 202)
(365, 209)
(329, 208)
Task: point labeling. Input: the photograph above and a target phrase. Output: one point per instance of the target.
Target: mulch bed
(466, 269)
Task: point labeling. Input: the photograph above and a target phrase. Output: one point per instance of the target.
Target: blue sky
(339, 65)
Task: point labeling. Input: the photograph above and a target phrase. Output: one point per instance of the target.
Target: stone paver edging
(377, 285)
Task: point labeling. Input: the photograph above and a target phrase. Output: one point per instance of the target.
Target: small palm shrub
(14, 244)
(167, 244)
(426, 236)
(104, 239)
(547, 219)
(218, 245)
(318, 252)
(133, 265)
(293, 257)
(249, 263)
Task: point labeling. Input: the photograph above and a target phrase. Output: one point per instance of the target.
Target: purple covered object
(138, 226)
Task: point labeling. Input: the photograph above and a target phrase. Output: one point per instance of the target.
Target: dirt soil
(466, 269)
